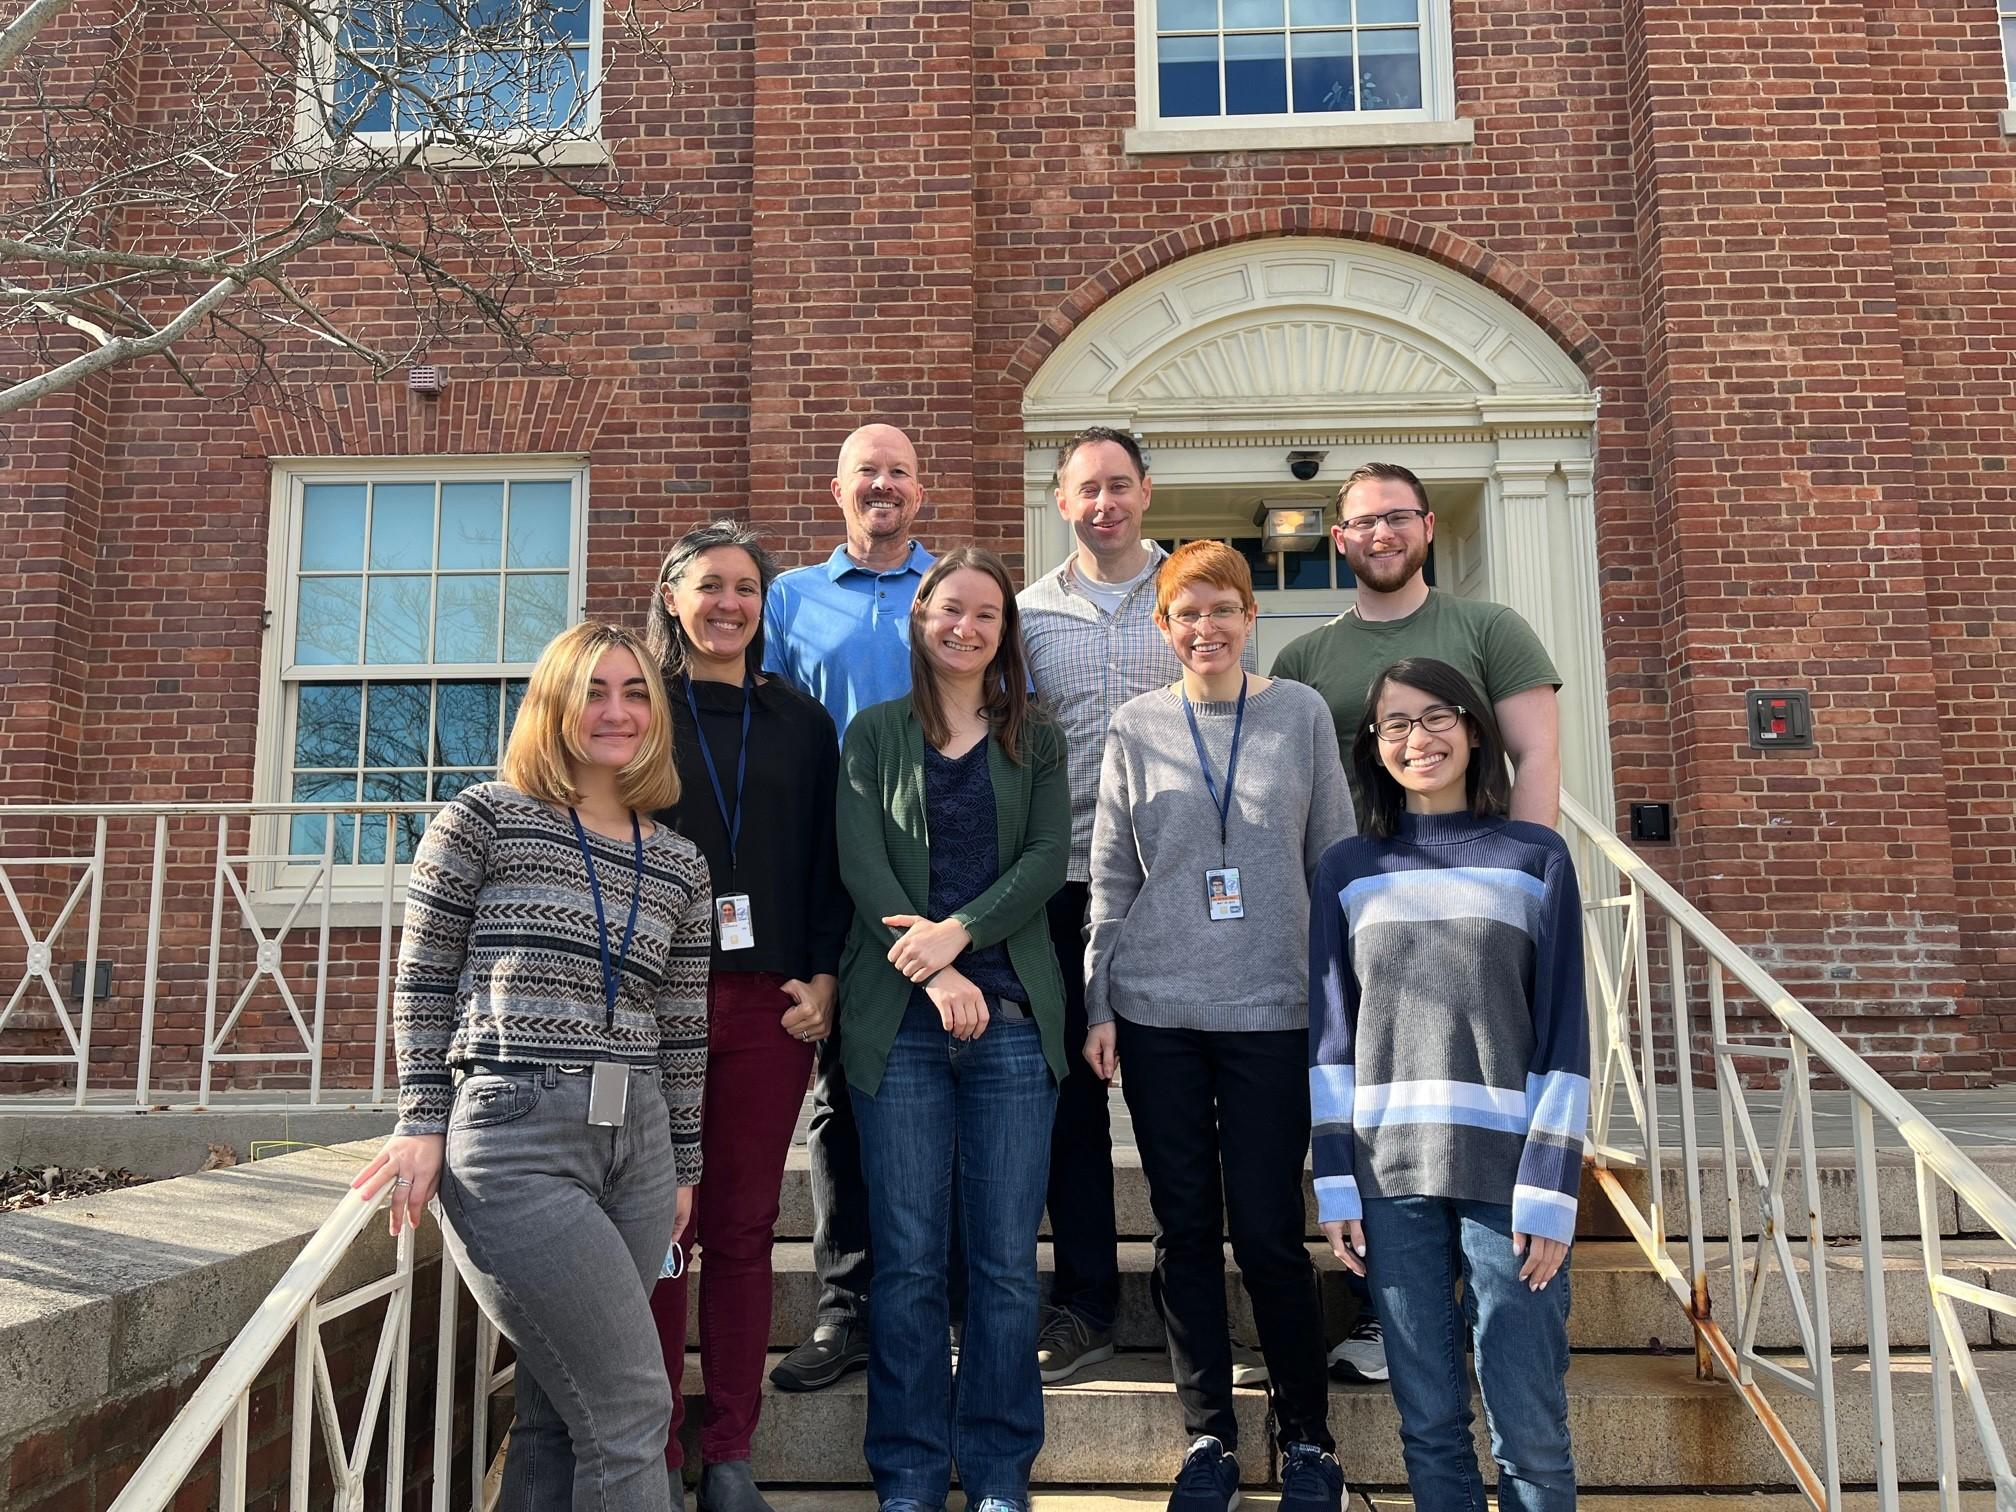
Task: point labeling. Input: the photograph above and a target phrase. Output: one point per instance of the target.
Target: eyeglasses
(1220, 617)
(1395, 520)
(1436, 719)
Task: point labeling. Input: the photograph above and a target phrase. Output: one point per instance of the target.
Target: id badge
(732, 924)
(608, 1093)
(1221, 893)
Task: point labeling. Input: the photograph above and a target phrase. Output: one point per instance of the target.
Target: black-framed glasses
(1436, 719)
(1395, 520)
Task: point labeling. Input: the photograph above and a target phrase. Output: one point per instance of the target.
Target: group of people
(963, 858)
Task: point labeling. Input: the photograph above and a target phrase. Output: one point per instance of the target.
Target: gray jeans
(560, 1229)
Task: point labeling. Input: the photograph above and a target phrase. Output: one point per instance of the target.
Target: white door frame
(1225, 362)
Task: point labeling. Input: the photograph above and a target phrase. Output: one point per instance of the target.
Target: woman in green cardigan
(955, 825)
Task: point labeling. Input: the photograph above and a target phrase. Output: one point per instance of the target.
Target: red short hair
(1210, 562)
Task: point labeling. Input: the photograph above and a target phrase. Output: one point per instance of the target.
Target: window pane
(448, 784)
(1320, 13)
(1309, 569)
(1186, 15)
(1256, 75)
(1188, 75)
(428, 88)
(1375, 12)
(395, 629)
(564, 18)
(1323, 71)
(325, 621)
(535, 610)
(493, 89)
(1252, 13)
(332, 527)
(472, 525)
(1389, 67)
(465, 724)
(2009, 52)
(305, 832)
(357, 108)
(465, 619)
(553, 82)
(402, 526)
(325, 724)
(539, 520)
(1266, 570)
(514, 695)
(391, 787)
(395, 725)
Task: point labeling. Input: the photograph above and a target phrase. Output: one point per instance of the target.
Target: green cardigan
(885, 862)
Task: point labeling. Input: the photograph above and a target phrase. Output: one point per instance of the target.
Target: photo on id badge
(732, 922)
(1221, 892)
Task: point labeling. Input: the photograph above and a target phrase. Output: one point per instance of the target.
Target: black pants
(1082, 1228)
(839, 1194)
(1223, 1116)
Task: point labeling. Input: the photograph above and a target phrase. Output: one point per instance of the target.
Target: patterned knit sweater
(498, 959)
(1448, 1037)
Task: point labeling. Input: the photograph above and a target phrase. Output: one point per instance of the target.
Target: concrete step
(1897, 1201)
(829, 1500)
(1637, 1420)
(1620, 1303)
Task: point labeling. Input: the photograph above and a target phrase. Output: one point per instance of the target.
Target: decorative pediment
(1304, 331)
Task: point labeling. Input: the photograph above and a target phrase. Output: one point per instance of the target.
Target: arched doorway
(1226, 362)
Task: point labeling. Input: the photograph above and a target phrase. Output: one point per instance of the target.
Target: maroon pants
(756, 1077)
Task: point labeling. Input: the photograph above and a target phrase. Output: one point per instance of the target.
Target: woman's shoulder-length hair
(546, 738)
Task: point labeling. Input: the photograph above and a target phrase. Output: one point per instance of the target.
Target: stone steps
(1840, 1216)
(828, 1499)
(1620, 1303)
(1637, 1420)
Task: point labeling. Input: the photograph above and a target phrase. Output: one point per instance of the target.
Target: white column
(1046, 539)
(1542, 541)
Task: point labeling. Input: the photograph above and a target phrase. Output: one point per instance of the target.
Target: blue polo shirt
(841, 633)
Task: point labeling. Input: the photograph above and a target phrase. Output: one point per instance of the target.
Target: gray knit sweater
(1155, 956)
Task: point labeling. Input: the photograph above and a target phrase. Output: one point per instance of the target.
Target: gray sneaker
(1361, 1358)
(1066, 1343)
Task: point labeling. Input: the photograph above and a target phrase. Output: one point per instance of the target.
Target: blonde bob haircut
(1210, 562)
(546, 736)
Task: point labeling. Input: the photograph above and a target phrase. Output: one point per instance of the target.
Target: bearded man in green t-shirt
(1383, 529)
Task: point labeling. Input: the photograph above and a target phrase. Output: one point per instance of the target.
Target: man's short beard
(1411, 562)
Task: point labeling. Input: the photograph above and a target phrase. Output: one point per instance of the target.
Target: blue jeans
(976, 1113)
(1416, 1248)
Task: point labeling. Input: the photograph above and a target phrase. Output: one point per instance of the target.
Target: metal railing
(1646, 1036)
(220, 1410)
(272, 921)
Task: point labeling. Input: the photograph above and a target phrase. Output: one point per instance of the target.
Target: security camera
(1304, 465)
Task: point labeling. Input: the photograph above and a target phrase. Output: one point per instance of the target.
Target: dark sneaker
(907, 1504)
(1362, 1355)
(729, 1487)
(1311, 1481)
(833, 1350)
(1067, 1343)
(1208, 1481)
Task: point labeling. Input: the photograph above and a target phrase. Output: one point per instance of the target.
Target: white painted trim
(2009, 122)
(1438, 94)
(1361, 135)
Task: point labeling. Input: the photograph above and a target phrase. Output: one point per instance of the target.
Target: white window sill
(565, 152)
(356, 911)
(1357, 134)
(2009, 122)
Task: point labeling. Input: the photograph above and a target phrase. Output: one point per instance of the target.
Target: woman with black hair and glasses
(758, 766)
(1449, 1086)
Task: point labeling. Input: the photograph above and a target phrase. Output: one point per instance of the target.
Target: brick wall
(1774, 238)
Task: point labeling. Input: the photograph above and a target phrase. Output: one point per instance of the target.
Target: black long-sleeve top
(788, 861)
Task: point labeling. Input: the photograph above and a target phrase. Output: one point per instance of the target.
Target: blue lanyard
(731, 820)
(1223, 801)
(612, 972)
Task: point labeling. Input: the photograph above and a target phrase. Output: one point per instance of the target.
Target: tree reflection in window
(1250, 58)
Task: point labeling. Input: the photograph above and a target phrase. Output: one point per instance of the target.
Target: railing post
(1690, 1142)
(91, 958)
(328, 884)
(235, 1441)
(1648, 1069)
(444, 1376)
(1882, 1412)
(384, 962)
(151, 973)
(1932, 1256)
(216, 953)
(303, 1428)
(1816, 1260)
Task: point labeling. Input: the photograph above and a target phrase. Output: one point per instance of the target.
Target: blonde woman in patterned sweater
(551, 1011)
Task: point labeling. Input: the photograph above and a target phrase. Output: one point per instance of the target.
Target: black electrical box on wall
(1780, 719)
(1651, 821)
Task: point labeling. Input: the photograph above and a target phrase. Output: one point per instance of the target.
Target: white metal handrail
(1629, 1078)
(220, 1409)
(271, 924)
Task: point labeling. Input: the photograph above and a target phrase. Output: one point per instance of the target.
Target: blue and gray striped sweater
(1448, 1035)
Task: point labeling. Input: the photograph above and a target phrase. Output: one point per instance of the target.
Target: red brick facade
(1775, 238)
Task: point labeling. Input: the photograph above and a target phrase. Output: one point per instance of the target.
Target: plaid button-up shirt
(1085, 663)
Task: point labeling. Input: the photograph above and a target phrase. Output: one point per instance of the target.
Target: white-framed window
(505, 70)
(1292, 73)
(2006, 11)
(410, 601)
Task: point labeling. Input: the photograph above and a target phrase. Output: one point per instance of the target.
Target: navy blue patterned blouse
(966, 856)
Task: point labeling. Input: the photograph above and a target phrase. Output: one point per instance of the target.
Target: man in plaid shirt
(1090, 632)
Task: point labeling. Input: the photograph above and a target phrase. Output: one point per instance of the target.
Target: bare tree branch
(18, 33)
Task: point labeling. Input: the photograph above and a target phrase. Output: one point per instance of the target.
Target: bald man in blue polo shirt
(840, 631)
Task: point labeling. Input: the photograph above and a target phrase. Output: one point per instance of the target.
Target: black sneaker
(833, 1350)
(1208, 1481)
(1311, 1481)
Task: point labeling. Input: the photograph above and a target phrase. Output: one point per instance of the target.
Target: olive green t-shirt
(1488, 643)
